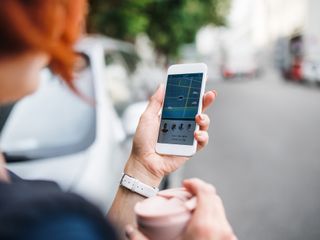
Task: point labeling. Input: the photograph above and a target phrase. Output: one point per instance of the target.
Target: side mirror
(131, 116)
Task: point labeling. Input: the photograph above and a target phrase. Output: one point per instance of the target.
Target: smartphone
(182, 102)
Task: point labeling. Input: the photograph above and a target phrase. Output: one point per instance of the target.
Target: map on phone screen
(181, 105)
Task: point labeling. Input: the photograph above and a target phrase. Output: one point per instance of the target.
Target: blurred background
(263, 58)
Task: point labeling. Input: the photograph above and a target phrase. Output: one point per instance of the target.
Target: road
(264, 157)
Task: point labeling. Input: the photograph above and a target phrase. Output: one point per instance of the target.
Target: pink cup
(165, 216)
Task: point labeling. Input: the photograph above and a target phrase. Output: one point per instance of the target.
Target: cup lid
(167, 202)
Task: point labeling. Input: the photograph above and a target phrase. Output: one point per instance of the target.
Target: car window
(131, 59)
(4, 114)
(53, 121)
(109, 58)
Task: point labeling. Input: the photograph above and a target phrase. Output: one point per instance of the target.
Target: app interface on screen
(180, 108)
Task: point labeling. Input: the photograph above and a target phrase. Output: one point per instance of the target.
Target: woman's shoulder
(25, 203)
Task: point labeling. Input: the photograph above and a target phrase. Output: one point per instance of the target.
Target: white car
(55, 135)
(132, 77)
(239, 58)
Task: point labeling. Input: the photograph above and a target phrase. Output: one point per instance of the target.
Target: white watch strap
(135, 185)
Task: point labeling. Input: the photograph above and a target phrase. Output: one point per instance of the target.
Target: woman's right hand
(208, 221)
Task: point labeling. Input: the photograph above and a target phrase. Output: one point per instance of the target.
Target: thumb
(134, 234)
(156, 100)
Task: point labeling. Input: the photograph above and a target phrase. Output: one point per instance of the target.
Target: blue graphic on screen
(180, 108)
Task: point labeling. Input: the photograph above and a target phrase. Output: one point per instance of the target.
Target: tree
(168, 23)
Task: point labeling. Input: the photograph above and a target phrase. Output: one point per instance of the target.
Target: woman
(35, 34)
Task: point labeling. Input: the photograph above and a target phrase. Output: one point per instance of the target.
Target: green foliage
(168, 23)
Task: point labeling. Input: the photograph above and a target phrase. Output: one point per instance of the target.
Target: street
(264, 157)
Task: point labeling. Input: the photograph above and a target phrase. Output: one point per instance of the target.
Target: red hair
(50, 26)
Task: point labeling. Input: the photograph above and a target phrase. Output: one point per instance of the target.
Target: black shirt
(25, 205)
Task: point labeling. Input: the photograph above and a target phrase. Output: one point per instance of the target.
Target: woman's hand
(208, 221)
(145, 164)
(149, 166)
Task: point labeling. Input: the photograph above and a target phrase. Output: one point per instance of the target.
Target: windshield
(51, 122)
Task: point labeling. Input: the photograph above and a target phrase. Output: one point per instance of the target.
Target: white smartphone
(182, 102)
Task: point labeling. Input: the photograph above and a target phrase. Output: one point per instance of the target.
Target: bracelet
(136, 186)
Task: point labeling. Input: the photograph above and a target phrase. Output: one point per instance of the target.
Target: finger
(209, 204)
(197, 186)
(204, 193)
(208, 99)
(202, 138)
(155, 102)
(203, 121)
(134, 234)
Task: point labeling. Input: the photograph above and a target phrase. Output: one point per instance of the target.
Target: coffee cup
(166, 215)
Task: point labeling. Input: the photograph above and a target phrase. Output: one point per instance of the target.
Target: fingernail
(201, 117)
(199, 134)
(185, 180)
(215, 93)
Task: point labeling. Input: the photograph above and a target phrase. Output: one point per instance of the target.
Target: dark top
(41, 210)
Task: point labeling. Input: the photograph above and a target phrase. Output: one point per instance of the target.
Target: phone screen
(180, 108)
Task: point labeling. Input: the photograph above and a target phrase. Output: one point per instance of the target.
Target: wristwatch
(136, 186)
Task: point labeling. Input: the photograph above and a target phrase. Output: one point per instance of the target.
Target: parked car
(57, 135)
(189, 54)
(297, 58)
(54, 134)
(133, 78)
(239, 58)
(291, 54)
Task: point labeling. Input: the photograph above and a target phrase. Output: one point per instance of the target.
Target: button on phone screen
(180, 108)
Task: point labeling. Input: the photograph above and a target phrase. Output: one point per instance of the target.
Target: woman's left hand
(147, 165)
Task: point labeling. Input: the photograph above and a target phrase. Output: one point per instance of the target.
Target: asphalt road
(264, 157)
